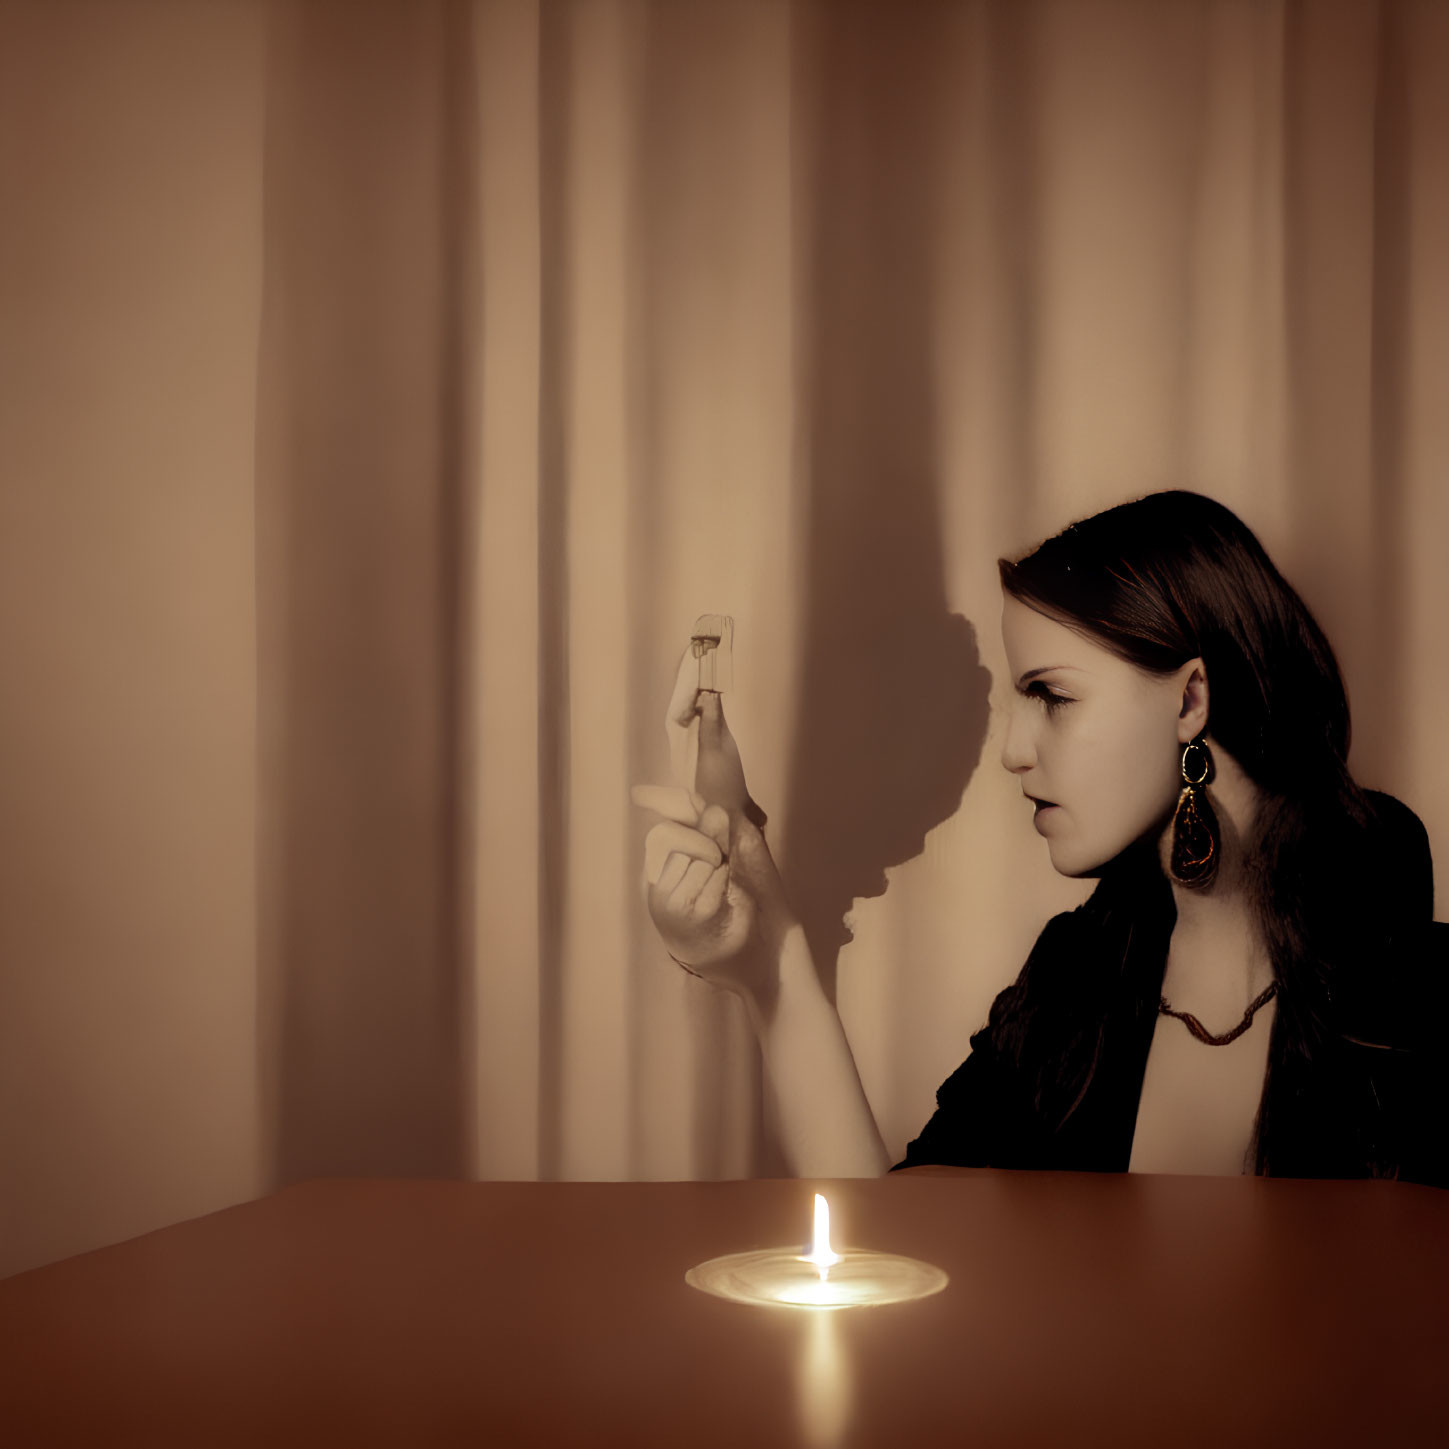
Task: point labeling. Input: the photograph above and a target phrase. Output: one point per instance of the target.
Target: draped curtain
(576, 319)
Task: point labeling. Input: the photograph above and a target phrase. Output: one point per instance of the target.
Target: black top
(1055, 1075)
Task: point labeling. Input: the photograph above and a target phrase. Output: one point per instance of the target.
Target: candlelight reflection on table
(823, 1382)
(821, 1278)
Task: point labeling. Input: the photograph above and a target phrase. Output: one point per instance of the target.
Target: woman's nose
(1018, 748)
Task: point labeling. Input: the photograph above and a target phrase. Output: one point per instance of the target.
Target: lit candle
(821, 1278)
(820, 1253)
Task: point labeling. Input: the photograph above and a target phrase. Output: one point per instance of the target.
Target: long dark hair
(1171, 577)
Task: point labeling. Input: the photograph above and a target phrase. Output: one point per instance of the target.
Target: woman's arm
(716, 897)
(827, 1128)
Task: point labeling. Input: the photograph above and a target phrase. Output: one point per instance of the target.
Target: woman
(1255, 984)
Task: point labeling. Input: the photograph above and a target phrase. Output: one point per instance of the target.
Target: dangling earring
(1195, 846)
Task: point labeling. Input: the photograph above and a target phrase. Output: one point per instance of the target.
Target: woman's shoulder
(1044, 986)
(1394, 814)
(1399, 884)
(1084, 957)
(1402, 861)
(1399, 985)
(1058, 948)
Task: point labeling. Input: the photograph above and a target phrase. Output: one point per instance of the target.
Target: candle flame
(820, 1252)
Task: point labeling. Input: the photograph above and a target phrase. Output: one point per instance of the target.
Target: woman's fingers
(671, 875)
(673, 802)
(680, 709)
(681, 726)
(693, 881)
(711, 897)
(671, 837)
(715, 823)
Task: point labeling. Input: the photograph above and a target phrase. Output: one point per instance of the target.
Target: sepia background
(386, 387)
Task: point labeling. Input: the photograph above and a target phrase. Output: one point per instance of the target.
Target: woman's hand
(718, 902)
(712, 888)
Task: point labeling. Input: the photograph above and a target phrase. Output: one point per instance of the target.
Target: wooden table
(1082, 1310)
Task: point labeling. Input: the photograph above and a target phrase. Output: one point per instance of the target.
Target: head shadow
(891, 729)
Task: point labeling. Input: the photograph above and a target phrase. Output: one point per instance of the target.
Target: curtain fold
(362, 446)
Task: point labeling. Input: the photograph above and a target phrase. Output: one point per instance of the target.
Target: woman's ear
(1192, 715)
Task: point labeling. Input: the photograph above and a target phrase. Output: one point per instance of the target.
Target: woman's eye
(1052, 701)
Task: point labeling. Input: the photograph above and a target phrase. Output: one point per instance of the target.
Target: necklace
(1203, 1034)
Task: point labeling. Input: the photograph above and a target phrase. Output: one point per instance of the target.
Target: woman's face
(1098, 738)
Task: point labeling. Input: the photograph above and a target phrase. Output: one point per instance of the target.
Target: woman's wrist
(787, 972)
